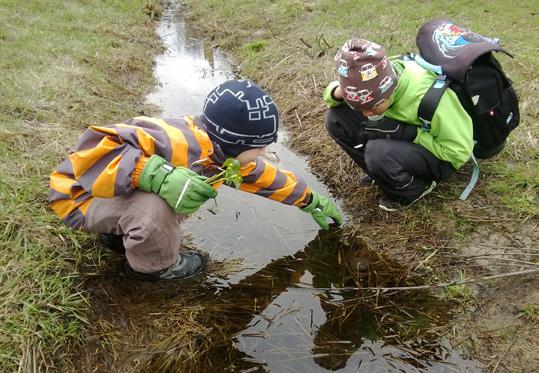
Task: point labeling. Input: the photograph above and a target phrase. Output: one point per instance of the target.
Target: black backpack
(464, 62)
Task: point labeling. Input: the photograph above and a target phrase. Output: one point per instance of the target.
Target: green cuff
(313, 203)
(328, 97)
(153, 174)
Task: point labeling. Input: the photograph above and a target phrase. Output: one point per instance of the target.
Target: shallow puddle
(295, 306)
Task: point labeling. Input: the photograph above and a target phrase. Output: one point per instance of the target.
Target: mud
(497, 329)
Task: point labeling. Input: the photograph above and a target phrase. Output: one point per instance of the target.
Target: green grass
(517, 184)
(64, 66)
(530, 312)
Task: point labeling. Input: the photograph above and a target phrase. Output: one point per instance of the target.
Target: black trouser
(403, 170)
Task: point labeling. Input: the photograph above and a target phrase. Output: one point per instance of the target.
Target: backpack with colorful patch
(463, 61)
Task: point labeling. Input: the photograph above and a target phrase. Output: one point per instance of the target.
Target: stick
(505, 353)
(430, 286)
(304, 42)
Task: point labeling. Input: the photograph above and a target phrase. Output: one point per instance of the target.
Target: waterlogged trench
(274, 314)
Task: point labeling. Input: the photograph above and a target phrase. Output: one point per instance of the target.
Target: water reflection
(241, 225)
(188, 70)
(282, 327)
(276, 319)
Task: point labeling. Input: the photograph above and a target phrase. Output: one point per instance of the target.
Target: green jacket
(451, 134)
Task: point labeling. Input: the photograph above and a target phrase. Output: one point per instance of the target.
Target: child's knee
(146, 210)
(331, 122)
(377, 155)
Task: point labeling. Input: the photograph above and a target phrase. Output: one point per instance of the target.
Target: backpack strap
(428, 106)
(430, 101)
(473, 180)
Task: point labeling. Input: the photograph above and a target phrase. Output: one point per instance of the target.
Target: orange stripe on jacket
(267, 177)
(146, 141)
(282, 193)
(83, 160)
(61, 183)
(178, 142)
(65, 206)
(201, 137)
(302, 201)
(244, 171)
(104, 184)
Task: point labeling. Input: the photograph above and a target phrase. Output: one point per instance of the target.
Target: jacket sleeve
(451, 135)
(108, 159)
(268, 181)
(328, 97)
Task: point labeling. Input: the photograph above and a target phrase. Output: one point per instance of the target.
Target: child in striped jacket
(134, 181)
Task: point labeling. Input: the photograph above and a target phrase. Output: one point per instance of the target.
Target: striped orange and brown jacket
(108, 158)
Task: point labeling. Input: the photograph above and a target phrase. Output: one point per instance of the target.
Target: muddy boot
(188, 264)
(387, 204)
(113, 241)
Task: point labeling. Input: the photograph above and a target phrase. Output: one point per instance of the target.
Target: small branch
(506, 260)
(271, 30)
(505, 353)
(430, 286)
(297, 116)
(323, 38)
(304, 42)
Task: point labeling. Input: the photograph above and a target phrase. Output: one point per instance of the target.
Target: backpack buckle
(440, 81)
(425, 124)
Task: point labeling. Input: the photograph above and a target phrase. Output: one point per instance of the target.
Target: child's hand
(322, 209)
(332, 94)
(337, 94)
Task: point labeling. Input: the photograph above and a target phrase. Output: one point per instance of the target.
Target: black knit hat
(238, 115)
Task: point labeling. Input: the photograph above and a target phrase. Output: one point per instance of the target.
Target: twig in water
(430, 286)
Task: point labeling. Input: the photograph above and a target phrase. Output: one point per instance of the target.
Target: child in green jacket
(379, 125)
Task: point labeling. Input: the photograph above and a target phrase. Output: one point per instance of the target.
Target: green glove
(322, 208)
(184, 190)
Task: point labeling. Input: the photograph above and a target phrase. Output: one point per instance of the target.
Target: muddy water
(286, 310)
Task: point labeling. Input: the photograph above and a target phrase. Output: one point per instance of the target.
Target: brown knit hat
(365, 75)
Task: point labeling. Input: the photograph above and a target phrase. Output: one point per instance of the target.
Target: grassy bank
(64, 65)
(288, 47)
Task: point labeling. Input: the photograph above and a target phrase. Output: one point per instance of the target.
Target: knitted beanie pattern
(238, 115)
(366, 77)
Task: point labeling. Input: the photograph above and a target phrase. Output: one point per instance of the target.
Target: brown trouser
(150, 228)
